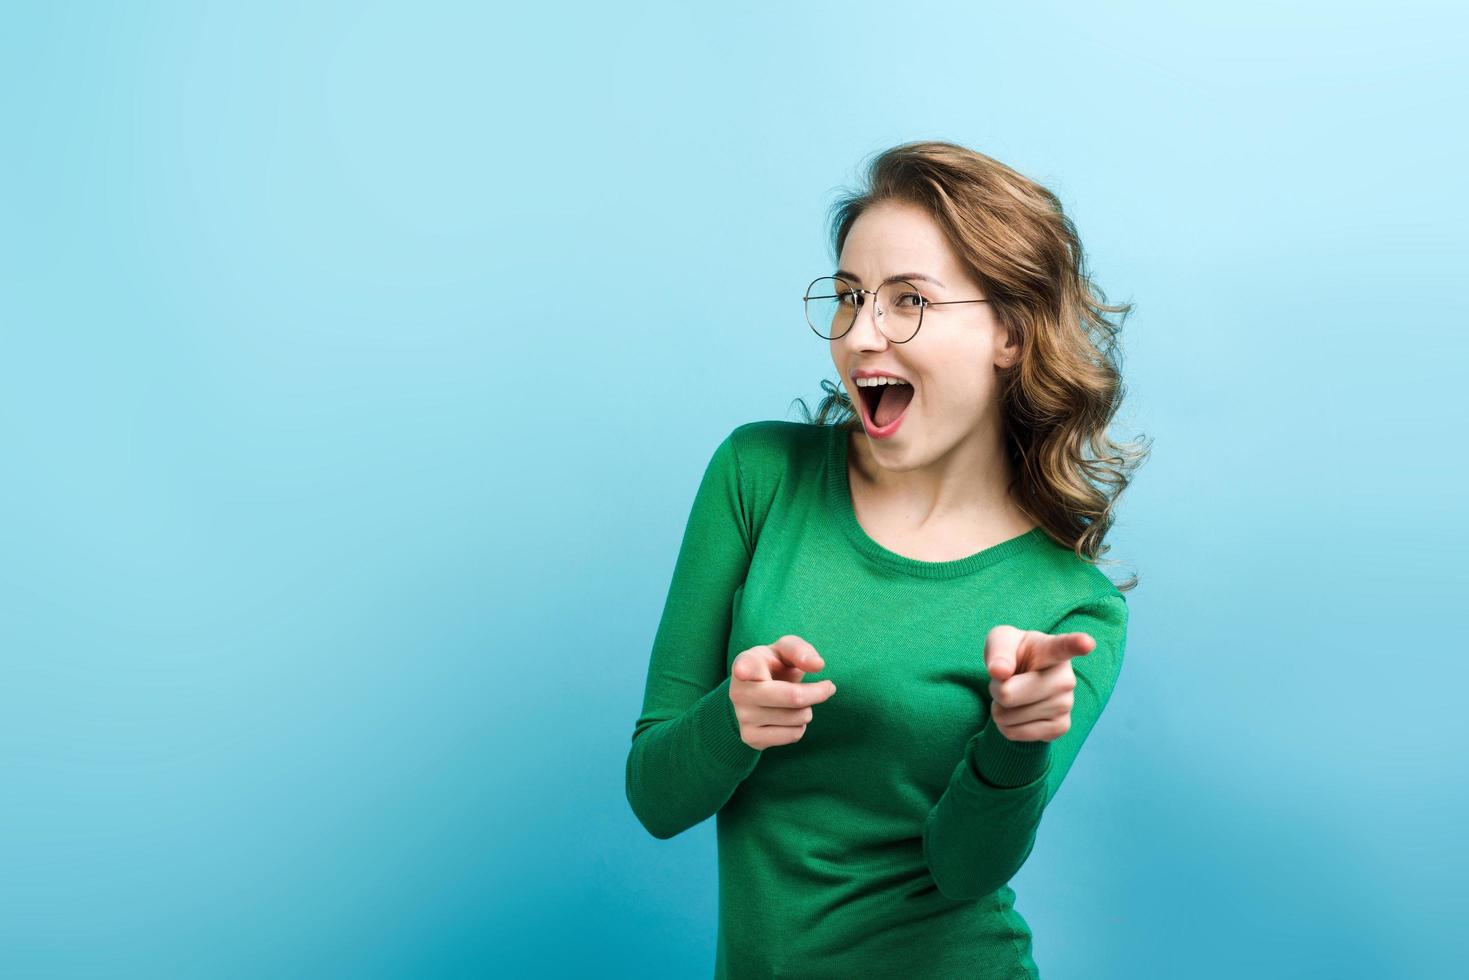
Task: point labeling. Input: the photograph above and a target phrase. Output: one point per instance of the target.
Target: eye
(910, 300)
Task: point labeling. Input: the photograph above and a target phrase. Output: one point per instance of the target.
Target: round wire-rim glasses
(839, 293)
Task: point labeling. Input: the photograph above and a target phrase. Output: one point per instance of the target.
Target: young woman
(887, 636)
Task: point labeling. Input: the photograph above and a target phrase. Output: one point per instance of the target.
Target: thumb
(1001, 668)
(750, 669)
(1001, 647)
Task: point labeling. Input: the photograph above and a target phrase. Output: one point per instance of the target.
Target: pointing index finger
(1045, 650)
(797, 653)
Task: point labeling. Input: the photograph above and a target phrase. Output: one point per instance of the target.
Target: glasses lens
(830, 303)
(901, 306)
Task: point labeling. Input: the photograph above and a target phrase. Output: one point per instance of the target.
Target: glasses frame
(923, 305)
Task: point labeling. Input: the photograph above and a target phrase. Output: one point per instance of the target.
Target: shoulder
(1079, 587)
(776, 462)
(770, 448)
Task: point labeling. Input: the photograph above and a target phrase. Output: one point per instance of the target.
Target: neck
(966, 484)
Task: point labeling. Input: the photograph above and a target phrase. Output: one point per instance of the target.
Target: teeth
(874, 382)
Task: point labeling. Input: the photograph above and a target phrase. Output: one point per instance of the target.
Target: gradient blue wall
(358, 364)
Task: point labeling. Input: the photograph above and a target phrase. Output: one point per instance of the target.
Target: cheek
(959, 388)
(957, 398)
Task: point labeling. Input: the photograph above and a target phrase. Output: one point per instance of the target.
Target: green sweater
(881, 843)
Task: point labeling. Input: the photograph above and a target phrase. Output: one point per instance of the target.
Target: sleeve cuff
(719, 729)
(1004, 764)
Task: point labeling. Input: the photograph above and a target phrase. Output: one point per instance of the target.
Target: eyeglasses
(832, 304)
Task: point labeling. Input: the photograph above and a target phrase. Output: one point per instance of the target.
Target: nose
(873, 336)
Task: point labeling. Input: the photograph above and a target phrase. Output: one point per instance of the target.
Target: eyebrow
(902, 275)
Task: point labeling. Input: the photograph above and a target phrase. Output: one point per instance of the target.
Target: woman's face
(950, 362)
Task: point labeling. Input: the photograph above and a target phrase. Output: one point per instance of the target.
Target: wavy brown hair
(1060, 396)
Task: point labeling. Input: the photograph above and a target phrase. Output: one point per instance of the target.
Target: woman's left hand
(1031, 681)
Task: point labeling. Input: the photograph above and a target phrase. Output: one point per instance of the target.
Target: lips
(870, 373)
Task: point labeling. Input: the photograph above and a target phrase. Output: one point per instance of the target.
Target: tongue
(895, 399)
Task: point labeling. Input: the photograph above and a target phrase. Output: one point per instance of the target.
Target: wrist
(1005, 764)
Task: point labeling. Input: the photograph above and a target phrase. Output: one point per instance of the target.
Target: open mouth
(884, 405)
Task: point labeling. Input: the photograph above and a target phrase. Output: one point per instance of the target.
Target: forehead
(893, 234)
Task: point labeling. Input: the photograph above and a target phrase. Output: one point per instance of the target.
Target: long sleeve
(687, 757)
(981, 831)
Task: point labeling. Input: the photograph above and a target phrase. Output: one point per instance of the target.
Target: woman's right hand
(771, 703)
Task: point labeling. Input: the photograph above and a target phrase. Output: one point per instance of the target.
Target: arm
(687, 757)
(983, 828)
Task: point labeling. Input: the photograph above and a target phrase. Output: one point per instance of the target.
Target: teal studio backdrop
(358, 363)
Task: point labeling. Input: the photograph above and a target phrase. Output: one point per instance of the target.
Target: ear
(1007, 352)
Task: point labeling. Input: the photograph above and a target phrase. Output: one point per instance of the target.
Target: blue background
(358, 364)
